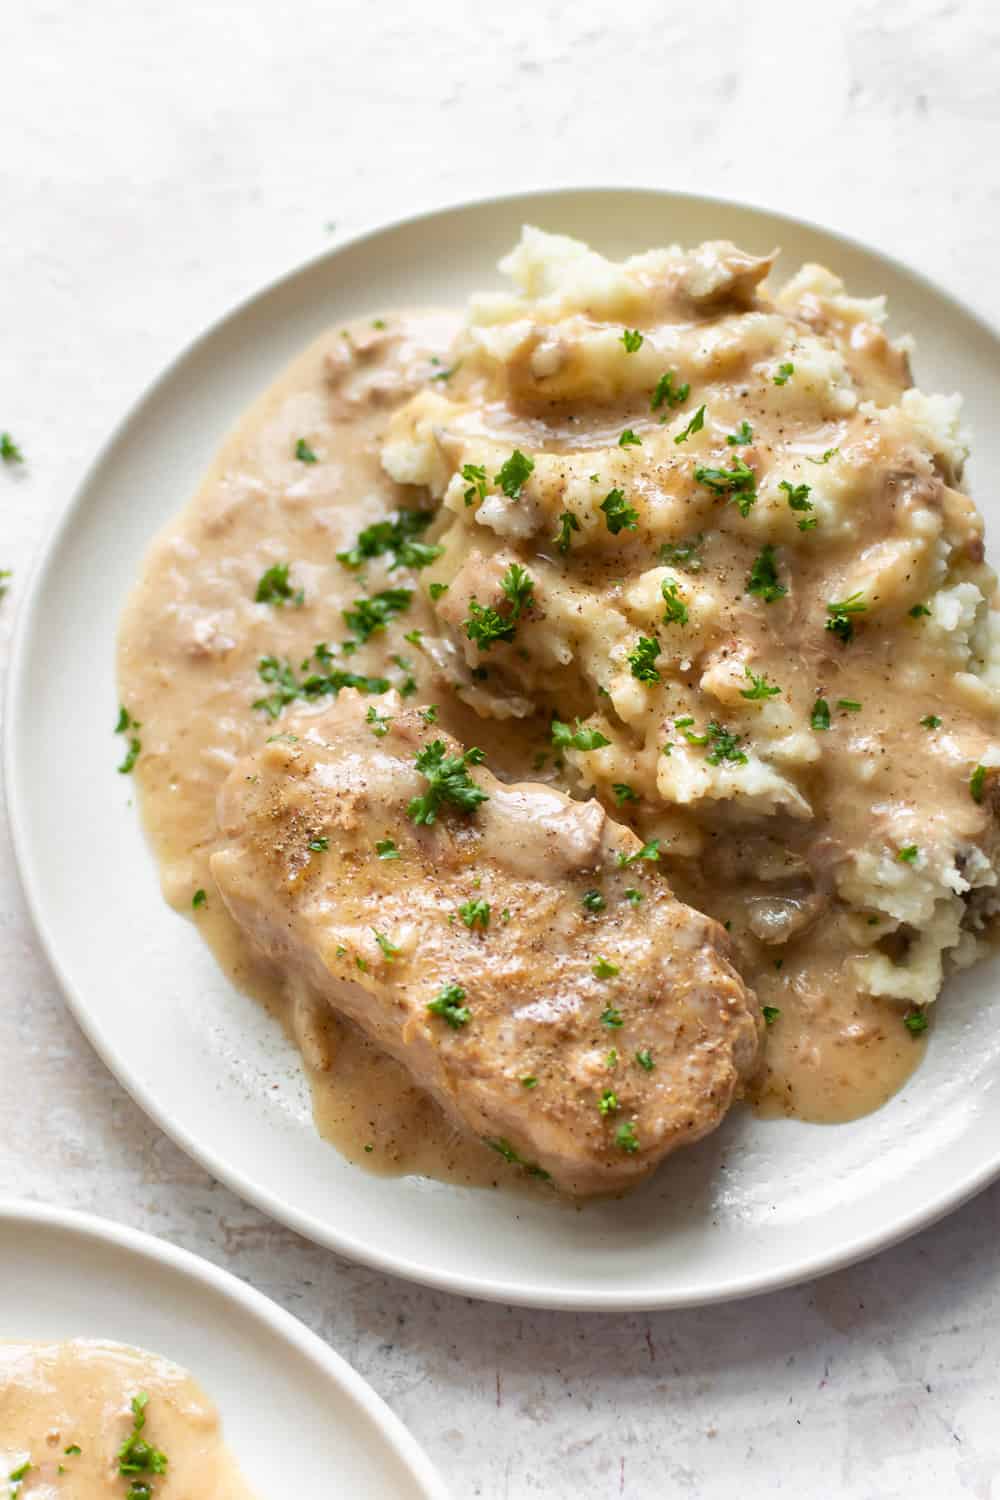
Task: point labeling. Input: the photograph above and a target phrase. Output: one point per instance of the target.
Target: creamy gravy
(65, 1412)
(191, 641)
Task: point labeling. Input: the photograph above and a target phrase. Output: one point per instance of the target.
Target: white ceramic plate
(755, 1206)
(66, 1275)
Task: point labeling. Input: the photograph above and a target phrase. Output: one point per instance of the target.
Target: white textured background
(159, 161)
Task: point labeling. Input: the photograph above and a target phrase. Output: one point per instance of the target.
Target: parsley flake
(909, 854)
(976, 783)
(612, 1018)
(273, 587)
(762, 579)
(475, 477)
(742, 435)
(624, 793)
(785, 372)
(593, 901)
(568, 523)
(633, 897)
(619, 515)
(738, 482)
(820, 717)
(632, 339)
(642, 657)
(580, 738)
(369, 616)
(396, 536)
(825, 459)
(696, 424)
(930, 721)
(475, 913)
(676, 612)
(304, 453)
(650, 851)
(448, 1005)
(200, 898)
(770, 1014)
(487, 625)
(9, 451)
(666, 392)
(136, 1455)
(448, 782)
(507, 1151)
(386, 849)
(629, 439)
(839, 621)
(915, 1022)
(645, 1059)
(608, 1103)
(626, 1138)
(514, 474)
(759, 689)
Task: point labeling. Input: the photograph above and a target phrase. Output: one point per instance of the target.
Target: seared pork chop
(518, 951)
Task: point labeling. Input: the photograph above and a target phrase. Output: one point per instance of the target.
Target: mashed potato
(715, 533)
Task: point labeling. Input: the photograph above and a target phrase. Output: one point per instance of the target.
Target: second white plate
(757, 1205)
(65, 1275)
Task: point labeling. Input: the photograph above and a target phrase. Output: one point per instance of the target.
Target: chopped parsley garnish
(645, 1059)
(611, 1060)
(475, 477)
(16, 1475)
(131, 756)
(318, 846)
(825, 459)
(820, 717)
(930, 721)
(379, 722)
(125, 721)
(448, 373)
(629, 439)
(9, 451)
(448, 1005)
(593, 901)
(739, 482)
(304, 453)
(624, 793)
(619, 515)
(568, 523)
(436, 590)
(642, 657)
(785, 372)
(676, 612)
(475, 913)
(200, 898)
(725, 746)
(608, 1102)
(759, 688)
(273, 587)
(386, 849)
(626, 1138)
(762, 579)
(632, 339)
(448, 782)
(487, 625)
(666, 391)
(908, 854)
(915, 1022)
(742, 435)
(398, 536)
(605, 969)
(371, 615)
(770, 1014)
(918, 610)
(798, 499)
(612, 1018)
(849, 705)
(696, 424)
(73, 1449)
(633, 897)
(683, 555)
(279, 675)
(976, 782)
(136, 1456)
(839, 621)
(388, 948)
(650, 851)
(529, 1081)
(514, 474)
(508, 1153)
(580, 738)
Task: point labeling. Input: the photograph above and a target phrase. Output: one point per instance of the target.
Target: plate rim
(152, 1249)
(594, 1298)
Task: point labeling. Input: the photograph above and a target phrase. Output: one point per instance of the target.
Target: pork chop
(518, 951)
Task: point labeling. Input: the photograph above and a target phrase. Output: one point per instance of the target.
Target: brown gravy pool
(65, 1411)
(191, 640)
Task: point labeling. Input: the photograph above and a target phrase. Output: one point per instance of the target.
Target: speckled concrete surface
(159, 162)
